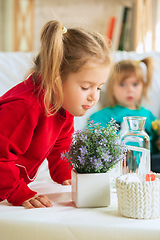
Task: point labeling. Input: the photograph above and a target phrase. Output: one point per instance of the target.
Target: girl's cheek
(98, 96)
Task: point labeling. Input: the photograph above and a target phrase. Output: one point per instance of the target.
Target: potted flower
(93, 152)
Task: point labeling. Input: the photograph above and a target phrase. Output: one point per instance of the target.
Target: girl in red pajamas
(37, 115)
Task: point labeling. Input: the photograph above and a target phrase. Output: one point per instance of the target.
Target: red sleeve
(16, 129)
(59, 168)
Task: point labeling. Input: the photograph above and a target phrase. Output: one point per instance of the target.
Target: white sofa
(14, 65)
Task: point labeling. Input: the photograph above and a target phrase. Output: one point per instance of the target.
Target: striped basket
(138, 199)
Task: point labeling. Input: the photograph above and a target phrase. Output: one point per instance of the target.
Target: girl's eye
(83, 88)
(86, 88)
(122, 84)
(135, 84)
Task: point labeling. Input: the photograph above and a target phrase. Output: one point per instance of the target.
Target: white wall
(90, 14)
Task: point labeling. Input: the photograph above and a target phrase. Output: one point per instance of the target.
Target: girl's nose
(92, 97)
(129, 88)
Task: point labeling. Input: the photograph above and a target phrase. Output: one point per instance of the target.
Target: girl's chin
(131, 107)
(76, 113)
(79, 114)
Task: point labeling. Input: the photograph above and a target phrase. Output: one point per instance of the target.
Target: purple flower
(96, 148)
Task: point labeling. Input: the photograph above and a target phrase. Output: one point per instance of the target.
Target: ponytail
(149, 70)
(47, 65)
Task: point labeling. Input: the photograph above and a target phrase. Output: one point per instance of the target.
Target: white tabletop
(66, 222)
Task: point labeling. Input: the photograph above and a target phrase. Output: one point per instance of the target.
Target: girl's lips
(129, 98)
(86, 106)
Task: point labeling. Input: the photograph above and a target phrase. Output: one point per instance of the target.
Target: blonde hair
(62, 53)
(125, 69)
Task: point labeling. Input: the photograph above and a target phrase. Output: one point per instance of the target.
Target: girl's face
(82, 89)
(129, 92)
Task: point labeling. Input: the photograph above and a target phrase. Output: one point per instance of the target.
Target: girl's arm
(16, 130)
(60, 170)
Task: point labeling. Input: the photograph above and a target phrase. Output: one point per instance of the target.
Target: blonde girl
(139, 73)
(127, 85)
(37, 115)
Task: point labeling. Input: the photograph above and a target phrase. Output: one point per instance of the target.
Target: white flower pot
(91, 189)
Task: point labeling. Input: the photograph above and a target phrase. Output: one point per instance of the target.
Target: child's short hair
(64, 52)
(124, 69)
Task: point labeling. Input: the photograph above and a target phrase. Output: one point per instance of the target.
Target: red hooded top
(27, 137)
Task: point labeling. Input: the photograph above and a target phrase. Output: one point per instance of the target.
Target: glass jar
(138, 156)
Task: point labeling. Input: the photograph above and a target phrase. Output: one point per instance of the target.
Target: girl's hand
(37, 201)
(66, 182)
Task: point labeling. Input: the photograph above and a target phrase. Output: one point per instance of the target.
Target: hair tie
(64, 30)
(144, 70)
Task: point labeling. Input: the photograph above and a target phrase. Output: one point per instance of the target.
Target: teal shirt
(118, 112)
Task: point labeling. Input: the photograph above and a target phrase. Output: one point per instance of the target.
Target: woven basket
(138, 199)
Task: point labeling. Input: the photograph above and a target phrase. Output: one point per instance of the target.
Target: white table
(66, 222)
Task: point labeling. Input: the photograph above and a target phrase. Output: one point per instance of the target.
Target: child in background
(125, 88)
(37, 115)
